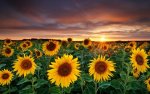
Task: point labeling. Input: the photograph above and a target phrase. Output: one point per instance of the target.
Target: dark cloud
(76, 15)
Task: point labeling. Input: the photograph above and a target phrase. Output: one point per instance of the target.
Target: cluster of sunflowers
(70, 61)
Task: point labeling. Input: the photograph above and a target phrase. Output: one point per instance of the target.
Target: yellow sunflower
(8, 42)
(64, 71)
(104, 47)
(87, 42)
(132, 45)
(5, 77)
(24, 65)
(76, 46)
(29, 43)
(23, 46)
(101, 69)
(136, 73)
(139, 60)
(38, 53)
(7, 51)
(51, 48)
(147, 82)
(127, 48)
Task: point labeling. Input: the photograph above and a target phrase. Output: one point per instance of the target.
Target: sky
(78, 19)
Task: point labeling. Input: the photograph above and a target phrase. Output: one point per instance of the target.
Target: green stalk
(96, 89)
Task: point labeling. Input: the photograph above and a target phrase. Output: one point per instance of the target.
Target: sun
(103, 38)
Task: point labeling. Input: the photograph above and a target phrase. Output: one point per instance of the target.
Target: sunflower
(139, 60)
(69, 39)
(132, 45)
(147, 82)
(64, 43)
(7, 51)
(101, 69)
(38, 53)
(87, 42)
(64, 71)
(8, 42)
(51, 48)
(24, 46)
(127, 48)
(24, 65)
(76, 46)
(5, 77)
(135, 73)
(29, 43)
(104, 47)
(148, 53)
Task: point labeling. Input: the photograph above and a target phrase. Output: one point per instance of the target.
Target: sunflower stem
(62, 91)
(9, 88)
(33, 86)
(81, 85)
(96, 89)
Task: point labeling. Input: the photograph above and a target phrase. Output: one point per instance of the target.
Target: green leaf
(68, 89)
(131, 79)
(55, 90)
(27, 87)
(104, 84)
(86, 77)
(123, 75)
(116, 84)
(89, 89)
(2, 65)
(22, 81)
(40, 82)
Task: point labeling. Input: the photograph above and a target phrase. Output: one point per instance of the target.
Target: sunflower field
(36, 66)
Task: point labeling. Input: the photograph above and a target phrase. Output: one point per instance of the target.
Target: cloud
(83, 17)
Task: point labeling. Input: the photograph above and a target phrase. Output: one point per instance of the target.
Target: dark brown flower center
(131, 45)
(100, 67)
(28, 43)
(149, 81)
(51, 46)
(5, 76)
(64, 43)
(139, 59)
(37, 53)
(8, 41)
(69, 39)
(86, 42)
(64, 69)
(24, 45)
(26, 64)
(8, 50)
(104, 47)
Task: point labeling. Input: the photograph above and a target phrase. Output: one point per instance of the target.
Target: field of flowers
(63, 67)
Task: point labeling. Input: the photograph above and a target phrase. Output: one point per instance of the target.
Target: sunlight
(103, 38)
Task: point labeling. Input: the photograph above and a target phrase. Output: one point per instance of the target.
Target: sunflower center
(100, 67)
(28, 43)
(37, 53)
(7, 41)
(5, 76)
(64, 69)
(26, 64)
(104, 47)
(149, 81)
(139, 60)
(24, 45)
(69, 39)
(86, 42)
(8, 51)
(131, 45)
(51, 46)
